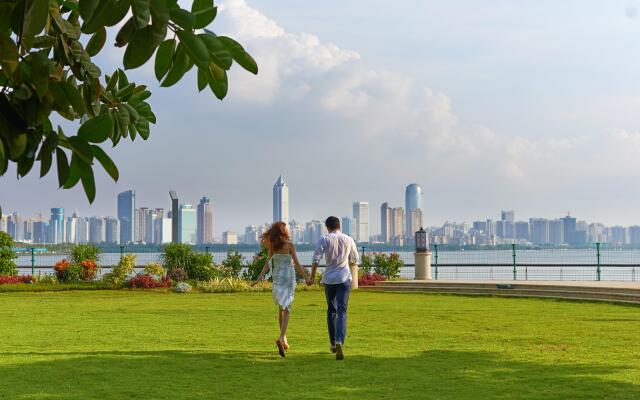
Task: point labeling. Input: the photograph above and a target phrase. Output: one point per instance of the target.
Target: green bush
(256, 265)
(388, 265)
(366, 264)
(47, 279)
(7, 255)
(177, 255)
(233, 263)
(202, 268)
(83, 252)
(71, 274)
(125, 269)
(154, 269)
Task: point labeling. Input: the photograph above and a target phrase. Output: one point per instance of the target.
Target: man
(339, 251)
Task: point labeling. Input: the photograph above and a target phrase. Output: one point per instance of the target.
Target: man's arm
(317, 255)
(354, 257)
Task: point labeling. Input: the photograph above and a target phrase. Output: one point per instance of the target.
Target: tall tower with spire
(280, 201)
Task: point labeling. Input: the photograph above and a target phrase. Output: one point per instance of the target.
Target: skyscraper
(539, 230)
(97, 231)
(413, 200)
(112, 230)
(140, 224)
(361, 215)
(349, 226)
(569, 229)
(205, 221)
(126, 210)
(150, 226)
(56, 225)
(385, 223)
(187, 224)
(508, 216)
(397, 226)
(280, 201)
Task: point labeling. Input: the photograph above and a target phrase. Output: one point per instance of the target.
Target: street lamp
(421, 241)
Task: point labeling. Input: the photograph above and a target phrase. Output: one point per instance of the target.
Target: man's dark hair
(332, 223)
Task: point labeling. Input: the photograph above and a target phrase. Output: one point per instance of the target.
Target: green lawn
(154, 345)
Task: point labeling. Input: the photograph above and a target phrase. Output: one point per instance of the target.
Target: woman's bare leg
(283, 325)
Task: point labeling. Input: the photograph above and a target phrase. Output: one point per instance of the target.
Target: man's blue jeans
(337, 300)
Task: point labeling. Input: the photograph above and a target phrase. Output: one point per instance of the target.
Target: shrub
(256, 265)
(7, 255)
(47, 279)
(182, 287)
(369, 279)
(388, 265)
(154, 269)
(67, 272)
(178, 274)
(88, 270)
(13, 279)
(141, 281)
(202, 268)
(366, 264)
(232, 285)
(176, 256)
(125, 268)
(233, 263)
(84, 252)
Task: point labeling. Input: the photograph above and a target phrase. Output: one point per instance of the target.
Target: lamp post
(422, 256)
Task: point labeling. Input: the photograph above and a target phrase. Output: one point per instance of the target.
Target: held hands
(309, 280)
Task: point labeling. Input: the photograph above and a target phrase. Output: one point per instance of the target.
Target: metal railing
(511, 262)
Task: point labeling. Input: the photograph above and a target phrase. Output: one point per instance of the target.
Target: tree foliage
(46, 69)
(7, 255)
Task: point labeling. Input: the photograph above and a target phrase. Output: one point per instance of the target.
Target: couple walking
(339, 251)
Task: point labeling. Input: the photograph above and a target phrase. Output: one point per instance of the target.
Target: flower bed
(148, 282)
(370, 279)
(14, 279)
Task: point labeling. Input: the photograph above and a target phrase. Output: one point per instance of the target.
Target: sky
(530, 106)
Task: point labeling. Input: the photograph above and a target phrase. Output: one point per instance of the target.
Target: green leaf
(17, 145)
(139, 49)
(89, 185)
(183, 18)
(126, 33)
(25, 163)
(99, 17)
(218, 52)
(204, 13)
(122, 80)
(181, 64)
(97, 42)
(81, 148)
(195, 47)
(106, 162)
(240, 55)
(133, 114)
(96, 129)
(44, 42)
(118, 12)
(62, 163)
(70, 5)
(73, 97)
(77, 167)
(111, 81)
(45, 163)
(87, 7)
(8, 56)
(218, 81)
(203, 80)
(35, 19)
(164, 56)
(143, 128)
(141, 12)
(159, 20)
(123, 116)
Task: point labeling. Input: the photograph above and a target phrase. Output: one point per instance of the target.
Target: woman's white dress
(284, 280)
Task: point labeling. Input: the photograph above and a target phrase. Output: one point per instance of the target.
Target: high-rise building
(187, 224)
(568, 229)
(634, 234)
(140, 224)
(251, 234)
(413, 200)
(539, 230)
(522, 230)
(97, 230)
(39, 231)
(361, 215)
(56, 225)
(397, 226)
(71, 234)
(205, 221)
(112, 230)
(82, 234)
(508, 216)
(126, 210)
(480, 226)
(348, 226)
(280, 201)
(385, 223)
(229, 237)
(296, 231)
(618, 235)
(150, 226)
(162, 229)
(556, 232)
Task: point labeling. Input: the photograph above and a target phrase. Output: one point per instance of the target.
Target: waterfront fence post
(513, 253)
(598, 261)
(435, 247)
(33, 261)
(121, 252)
(206, 249)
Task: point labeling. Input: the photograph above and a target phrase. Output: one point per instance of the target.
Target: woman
(283, 254)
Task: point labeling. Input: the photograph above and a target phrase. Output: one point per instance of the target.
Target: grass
(158, 345)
